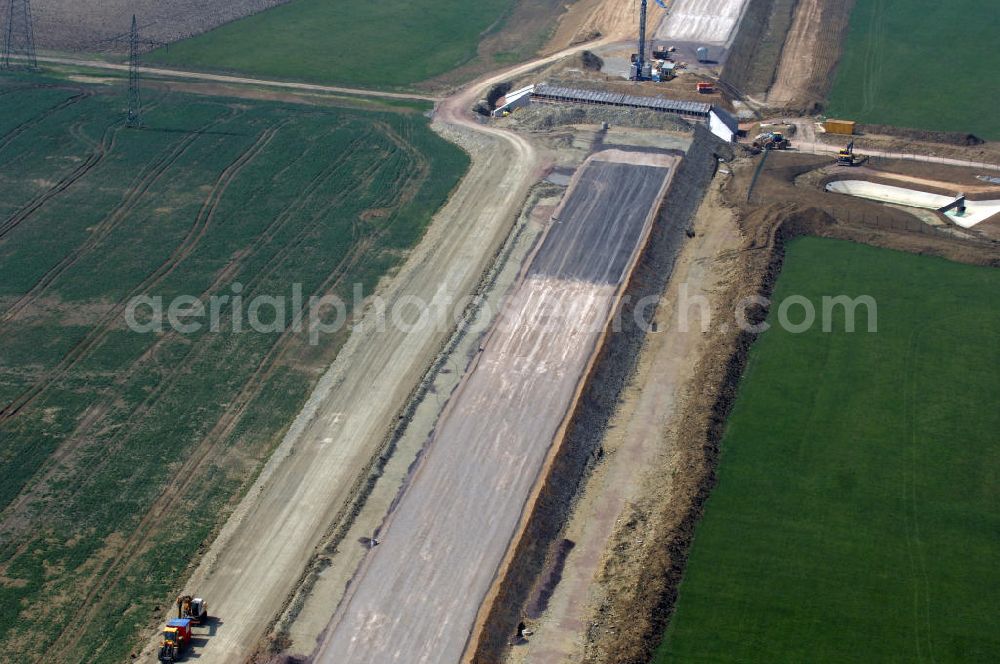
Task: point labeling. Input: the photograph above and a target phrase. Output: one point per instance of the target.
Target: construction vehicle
(664, 52)
(846, 156)
(705, 88)
(176, 639)
(771, 140)
(194, 608)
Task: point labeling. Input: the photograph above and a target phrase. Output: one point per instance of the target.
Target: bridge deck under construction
(554, 93)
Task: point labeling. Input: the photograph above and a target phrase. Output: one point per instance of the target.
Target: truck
(194, 608)
(176, 639)
(664, 52)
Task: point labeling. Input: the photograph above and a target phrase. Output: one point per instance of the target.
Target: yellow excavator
(846, 156)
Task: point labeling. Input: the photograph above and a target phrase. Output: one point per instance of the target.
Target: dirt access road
(810, 54)
(236, 80)
(258, 559)
(805, 140)
(417, 595)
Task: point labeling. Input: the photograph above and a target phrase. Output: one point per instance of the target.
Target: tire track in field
(149, 177)
(133, 196)
(139, 539)
(10, 136)
(195, 234)
(101, 150)
(181, 367)
(184, 365)
(75, 440)
(911, 502)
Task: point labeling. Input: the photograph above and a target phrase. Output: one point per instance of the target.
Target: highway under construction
(416, 597)
(517, 480)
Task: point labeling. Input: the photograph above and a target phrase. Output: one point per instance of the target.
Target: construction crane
(642, 70)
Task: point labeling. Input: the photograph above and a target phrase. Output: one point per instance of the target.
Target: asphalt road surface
(605, 189)
(416, 597)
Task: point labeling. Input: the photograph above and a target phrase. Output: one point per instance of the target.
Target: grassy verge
(375, 45)
(99, 424)
(921, 64)
(857, 500)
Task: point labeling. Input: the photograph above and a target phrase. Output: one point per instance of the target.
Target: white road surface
(709, 22)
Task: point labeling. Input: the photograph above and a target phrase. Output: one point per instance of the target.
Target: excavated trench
(540, 548)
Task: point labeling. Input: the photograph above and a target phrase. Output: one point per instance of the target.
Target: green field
(923, 64)
(367, 44)
(857, 508)
(97, 422)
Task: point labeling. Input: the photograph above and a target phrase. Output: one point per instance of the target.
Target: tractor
(176, 639)
(771, 140)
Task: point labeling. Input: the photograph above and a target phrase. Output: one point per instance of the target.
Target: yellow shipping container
(839, 127)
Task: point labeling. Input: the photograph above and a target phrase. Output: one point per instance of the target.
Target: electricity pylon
(19, 38)
(134, 118)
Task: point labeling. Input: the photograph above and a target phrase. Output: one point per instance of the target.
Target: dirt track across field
(417, 596)
(237, 80)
